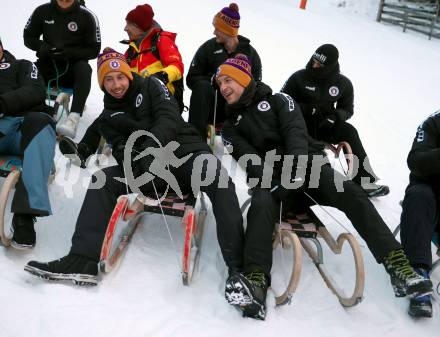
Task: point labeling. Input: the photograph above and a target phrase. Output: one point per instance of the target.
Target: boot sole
(78, 279)
(22, 247)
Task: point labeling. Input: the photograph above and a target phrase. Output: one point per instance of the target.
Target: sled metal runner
(126, 217)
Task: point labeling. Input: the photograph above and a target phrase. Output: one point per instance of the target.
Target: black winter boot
(79, 269)
(421, 306)
(404, 279)
(248, 292)
(77, 153)
(24, 233)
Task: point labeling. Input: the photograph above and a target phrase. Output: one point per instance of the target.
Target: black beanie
(327, 54)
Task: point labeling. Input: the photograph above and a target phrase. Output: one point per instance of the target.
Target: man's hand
(161, 75)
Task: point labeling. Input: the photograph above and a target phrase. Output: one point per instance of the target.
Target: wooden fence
(419, 16)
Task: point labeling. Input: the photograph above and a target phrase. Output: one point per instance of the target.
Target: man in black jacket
(420, 208)
(28, 132)
(70, 37)
(133, 103)
(270, 130)
(209, 56)
(326, 100)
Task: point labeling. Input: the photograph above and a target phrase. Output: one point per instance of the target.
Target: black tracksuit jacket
(320, 98)
(211, 55)
(147, 105)
(75, 31)
(21, 87)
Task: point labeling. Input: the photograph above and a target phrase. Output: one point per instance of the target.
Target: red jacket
(146, 63)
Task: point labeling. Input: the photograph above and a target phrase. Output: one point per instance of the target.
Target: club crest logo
(73, 27)
(263, 106)
(4, 66)
(115, 64)
(333, 91)
(139, 99)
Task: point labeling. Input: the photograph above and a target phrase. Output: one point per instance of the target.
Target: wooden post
(303, 4)
(379, 11)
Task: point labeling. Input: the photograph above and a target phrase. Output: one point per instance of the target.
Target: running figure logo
(164, 158)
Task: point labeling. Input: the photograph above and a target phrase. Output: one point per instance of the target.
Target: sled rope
(283, 259)
(327, 212)
(166, 224)
(56, 78)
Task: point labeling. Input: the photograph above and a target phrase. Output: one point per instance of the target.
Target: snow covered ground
(395, 77)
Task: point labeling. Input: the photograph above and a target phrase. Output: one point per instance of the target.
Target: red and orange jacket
(145, 63)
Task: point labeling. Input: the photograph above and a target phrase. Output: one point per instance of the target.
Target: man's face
(220, 37)
(316, 64)
(230, 89)
(133, 31)
(64, 4)
(116, 84)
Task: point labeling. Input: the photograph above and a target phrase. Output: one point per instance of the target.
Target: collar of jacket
(147, 35)
(323, 73)
(7, 57)
(254, 92)
(72, 8)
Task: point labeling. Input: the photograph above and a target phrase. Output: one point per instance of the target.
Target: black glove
(278, 191)
(281, 193)
(214, 83)
(327, 124)
(161, 75)
(43, 52)
(57, 54)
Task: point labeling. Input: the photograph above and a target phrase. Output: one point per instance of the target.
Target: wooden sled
(306, 231)
(10, 169)
(126, 217)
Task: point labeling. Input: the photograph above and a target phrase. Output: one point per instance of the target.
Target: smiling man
(260, 122)
(133, 103)
(208, 57)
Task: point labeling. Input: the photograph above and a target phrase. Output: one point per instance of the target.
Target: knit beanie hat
(141, 16)
(327, 54)
(237, 68)
(227, 20)
(110, 60)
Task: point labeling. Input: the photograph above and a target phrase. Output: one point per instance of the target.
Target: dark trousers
(71, 74)
(202, 105)
(419, 219)
(345, 132)
(264, 212)
(99, 203)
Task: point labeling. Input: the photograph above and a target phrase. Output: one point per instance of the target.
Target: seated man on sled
(326, 100)
(419, 221)
(133, 104)
(26, 131)
(266, 127)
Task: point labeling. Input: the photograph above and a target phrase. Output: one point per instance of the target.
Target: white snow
(395, 76)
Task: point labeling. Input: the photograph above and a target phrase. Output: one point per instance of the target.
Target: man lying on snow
(259, 122)
(133, 103)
